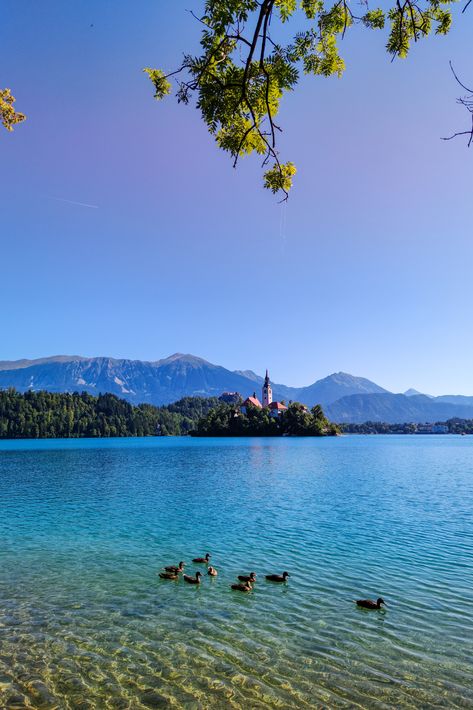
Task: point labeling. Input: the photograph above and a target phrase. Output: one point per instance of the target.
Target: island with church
(252, 417)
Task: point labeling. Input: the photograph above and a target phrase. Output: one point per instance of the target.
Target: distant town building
(440, 429)
(230, 397)
(423, 428)
(431, 429)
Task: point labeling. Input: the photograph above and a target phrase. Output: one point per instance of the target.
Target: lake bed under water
(85, 525)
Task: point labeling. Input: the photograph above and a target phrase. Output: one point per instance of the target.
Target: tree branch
(467, 102)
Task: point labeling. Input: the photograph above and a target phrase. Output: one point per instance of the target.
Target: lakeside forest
(47, 415)
(44, 415)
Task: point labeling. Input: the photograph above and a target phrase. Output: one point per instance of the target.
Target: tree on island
(297, 420)
(246, 65)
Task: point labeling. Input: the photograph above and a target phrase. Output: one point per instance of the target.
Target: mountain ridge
(394, 409)
(162, 381)
(346, 398)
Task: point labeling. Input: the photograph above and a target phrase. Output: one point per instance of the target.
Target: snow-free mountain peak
(343, 396)
(337, 385)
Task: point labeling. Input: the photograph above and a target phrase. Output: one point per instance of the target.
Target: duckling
(247, 578)
(202, 560)
(169, 575)
(212, 571)
(277, 577)
(245, 587)
(173, 568)
(369, 603)
(193, 580)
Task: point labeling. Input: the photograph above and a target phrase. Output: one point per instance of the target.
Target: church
(275, 408)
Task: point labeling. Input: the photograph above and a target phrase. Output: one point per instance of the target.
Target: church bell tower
(267, 392)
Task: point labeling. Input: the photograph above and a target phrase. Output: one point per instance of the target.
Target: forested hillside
(45, 415)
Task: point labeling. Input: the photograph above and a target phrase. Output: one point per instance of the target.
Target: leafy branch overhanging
(243, 71)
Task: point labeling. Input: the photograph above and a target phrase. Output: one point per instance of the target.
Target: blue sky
(367, 269)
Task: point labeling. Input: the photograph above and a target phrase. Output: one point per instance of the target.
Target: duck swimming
(193, 580)
(277, 577)
(212, 571)
(169, 575)
(247, 578)
(245, 587)
(369, 603)
(173, 568)
(202, 560)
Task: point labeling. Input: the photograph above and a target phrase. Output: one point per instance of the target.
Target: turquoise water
(85, 621)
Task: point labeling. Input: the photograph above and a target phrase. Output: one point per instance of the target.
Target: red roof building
(279, 406)
(276, 408)
(252, 401)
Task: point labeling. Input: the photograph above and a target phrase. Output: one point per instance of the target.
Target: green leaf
(161, 85)
(8, 115)
(279, 177)
(375, 19)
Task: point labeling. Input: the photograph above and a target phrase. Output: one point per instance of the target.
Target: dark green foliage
(45, 415)
(297, 420)
(181, 417)
(460, 426)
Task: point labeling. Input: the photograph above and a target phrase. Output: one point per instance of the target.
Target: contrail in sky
(73, 202)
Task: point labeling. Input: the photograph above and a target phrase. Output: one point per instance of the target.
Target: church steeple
(267, 392)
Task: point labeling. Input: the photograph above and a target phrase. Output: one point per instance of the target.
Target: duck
(175, 569)
(245, 587)
(212, 571)
(202, 560)
(193, 580)
(277, 577)
(247, 578)
(369, 603)
(169, 575)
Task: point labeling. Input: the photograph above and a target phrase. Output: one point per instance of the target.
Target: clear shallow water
(85, 525)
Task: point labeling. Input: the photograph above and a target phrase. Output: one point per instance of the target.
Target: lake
(85, 621)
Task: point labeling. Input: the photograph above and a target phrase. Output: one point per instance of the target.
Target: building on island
(267, 391)
(276, 408)
(250, 402)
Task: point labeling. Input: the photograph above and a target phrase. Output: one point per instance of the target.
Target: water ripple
(85, 621)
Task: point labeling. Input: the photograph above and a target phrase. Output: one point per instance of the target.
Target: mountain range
(345, 398)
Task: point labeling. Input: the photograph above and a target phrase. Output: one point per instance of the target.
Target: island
(250, 420)
(250, 417)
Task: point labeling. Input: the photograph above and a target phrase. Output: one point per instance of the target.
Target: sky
(125, 232)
